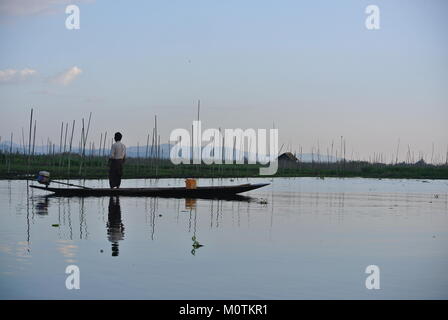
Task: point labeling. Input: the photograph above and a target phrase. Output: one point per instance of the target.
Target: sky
(310, 68)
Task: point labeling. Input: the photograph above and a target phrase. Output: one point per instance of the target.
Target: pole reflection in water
(190, 204)
(115, 227)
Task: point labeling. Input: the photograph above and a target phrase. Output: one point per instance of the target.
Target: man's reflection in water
(42, 206)
(115, 228)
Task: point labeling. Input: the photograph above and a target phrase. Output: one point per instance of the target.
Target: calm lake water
(299, 238)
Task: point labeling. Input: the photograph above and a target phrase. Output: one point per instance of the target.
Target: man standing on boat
(116, 161)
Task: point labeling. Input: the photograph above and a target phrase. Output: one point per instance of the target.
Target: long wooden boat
(183, 192)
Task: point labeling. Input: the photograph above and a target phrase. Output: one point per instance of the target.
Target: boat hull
(176, 192)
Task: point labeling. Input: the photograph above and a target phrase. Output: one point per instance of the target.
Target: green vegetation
(19, 166)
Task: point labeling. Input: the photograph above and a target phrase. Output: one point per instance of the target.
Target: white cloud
(66, 77)
(8, 76)
(33, 7)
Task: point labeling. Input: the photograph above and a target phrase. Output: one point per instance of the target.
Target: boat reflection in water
(115, 227)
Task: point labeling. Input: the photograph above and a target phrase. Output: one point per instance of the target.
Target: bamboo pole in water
(146, 161)
(155, 132)
(29, 139)
(65, 137)
(222, 150)
(101, 143)
(70, 149)
(60, 140)
(99, 150)
(158, 156)
(54, 158)
(92, 150)
(10, 153)
(23, 142)
(345, 157)
(60, 145)
(81, 143)
(88, 128)
(234, 152)
(147, 146)
(85, 135)
(34, 136)
(152, 146)
(155, 145)
(192, 149)
(398, 149)
(104, 148)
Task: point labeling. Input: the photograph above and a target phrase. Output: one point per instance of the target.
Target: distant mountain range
(134, 152)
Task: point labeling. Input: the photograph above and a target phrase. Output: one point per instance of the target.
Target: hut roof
(287, 156)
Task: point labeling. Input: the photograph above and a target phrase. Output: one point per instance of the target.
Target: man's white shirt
(118, 151)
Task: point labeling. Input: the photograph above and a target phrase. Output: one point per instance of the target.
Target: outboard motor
(44, 177)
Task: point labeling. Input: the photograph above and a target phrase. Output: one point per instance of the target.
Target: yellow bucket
(190, 183)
